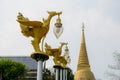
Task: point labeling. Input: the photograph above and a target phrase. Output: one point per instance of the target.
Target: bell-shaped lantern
(66, 55)
(58, 29)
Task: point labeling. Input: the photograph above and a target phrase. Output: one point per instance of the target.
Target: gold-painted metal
(36, 29)
(58, 22)
(58, 59)
(83, 68)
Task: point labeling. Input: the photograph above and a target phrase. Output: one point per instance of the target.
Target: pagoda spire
(83, 61)
(83, 68)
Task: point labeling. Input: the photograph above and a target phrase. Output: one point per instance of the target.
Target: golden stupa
(83, 68)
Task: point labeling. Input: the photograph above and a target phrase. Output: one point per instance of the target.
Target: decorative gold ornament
(36, 29)
(58, 59)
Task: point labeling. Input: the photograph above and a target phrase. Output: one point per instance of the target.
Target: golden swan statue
(36, 29)
(56, 53)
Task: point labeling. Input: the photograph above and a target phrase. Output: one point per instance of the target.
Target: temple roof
(28, 61)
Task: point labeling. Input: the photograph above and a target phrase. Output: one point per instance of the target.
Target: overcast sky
(102, 29)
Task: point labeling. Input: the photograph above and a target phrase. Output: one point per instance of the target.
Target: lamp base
(39, 56)
(57, 66)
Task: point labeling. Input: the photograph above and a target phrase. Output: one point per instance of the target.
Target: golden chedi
(83, 68)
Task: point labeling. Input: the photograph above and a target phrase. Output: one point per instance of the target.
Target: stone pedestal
(40, 57)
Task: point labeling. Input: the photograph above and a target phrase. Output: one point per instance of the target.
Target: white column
(66, 73)
(61, 74)
(57, 72)
(39, 70)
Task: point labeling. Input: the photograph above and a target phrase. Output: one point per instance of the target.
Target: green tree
(114, 73)
(11, 70)
(70, 74)
(48, 75)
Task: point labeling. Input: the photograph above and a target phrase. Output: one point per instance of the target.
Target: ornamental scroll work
(36, 29)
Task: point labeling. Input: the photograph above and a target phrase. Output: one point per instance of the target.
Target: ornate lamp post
(38, 31)
(60, 60)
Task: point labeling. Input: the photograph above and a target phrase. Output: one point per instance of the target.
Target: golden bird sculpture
(36, 29)
(58, 59)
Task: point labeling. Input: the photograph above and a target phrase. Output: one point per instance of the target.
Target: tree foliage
(70, 74)
(11, 70)
(114, 72)
(48, 75)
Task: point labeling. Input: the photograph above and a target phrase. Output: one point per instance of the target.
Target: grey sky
(102, 28)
